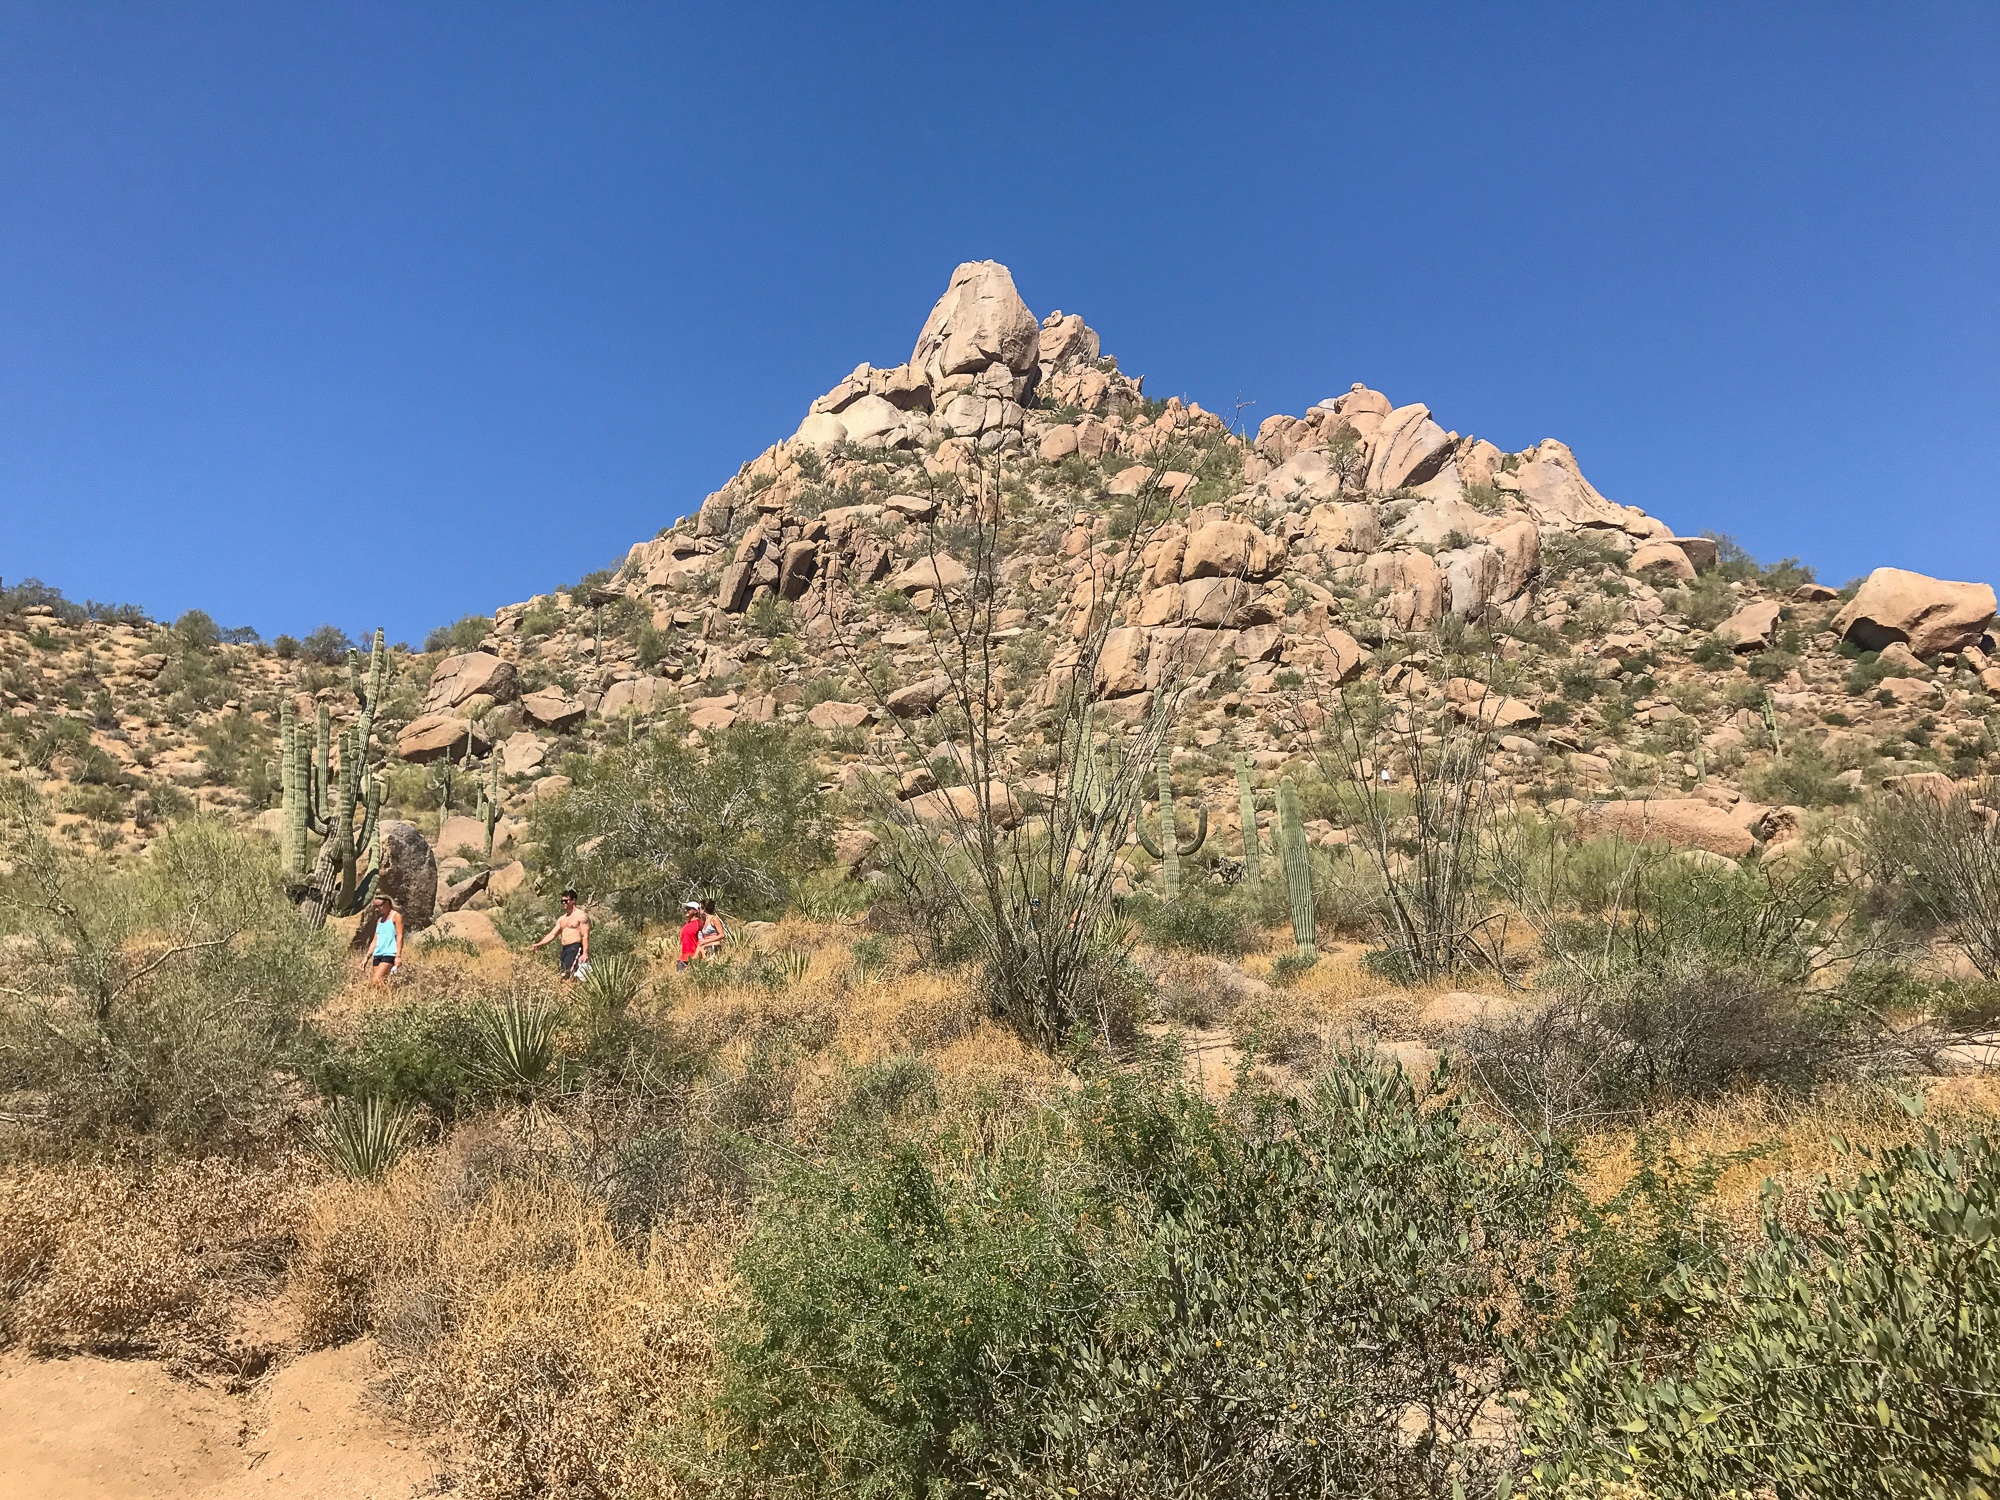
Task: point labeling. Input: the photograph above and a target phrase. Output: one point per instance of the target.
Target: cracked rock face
(980, 338)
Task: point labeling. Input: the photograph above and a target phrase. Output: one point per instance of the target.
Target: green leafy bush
(1145, 1295)
(1857, 1355)
(463, 635)
(739, 818)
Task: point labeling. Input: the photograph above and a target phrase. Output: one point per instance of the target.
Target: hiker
(713, 933)
(572, 929)
(388, 942)
(690, 933)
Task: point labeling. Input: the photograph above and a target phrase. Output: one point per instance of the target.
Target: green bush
(1200, 922)
(155, 1000)
(1857, 1355)
(425, 1053)
(1144, 1295)
(740, 819)
(467, 633)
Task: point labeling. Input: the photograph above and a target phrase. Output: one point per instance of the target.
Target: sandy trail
(98, 1429)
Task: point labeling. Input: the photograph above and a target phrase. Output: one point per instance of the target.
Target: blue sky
(396, 312)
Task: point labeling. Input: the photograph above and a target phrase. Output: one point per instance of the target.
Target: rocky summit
(1659, 684)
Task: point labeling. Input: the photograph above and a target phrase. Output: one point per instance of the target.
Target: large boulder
(1476, 703)
(833, 714)
(1549, 482)
(1408, 448)
(1752, 626)
(553, 709)
(938, 573)
(1684, 822)
(1230, 549)
(409, 873)
(1121, 665)
(1664, 558)
(919, 698)
(1519, 547)
(960, 804)
(979, 323)
(637, 695)
(434, 736)
(1067, 343)
(467, 675)
(522, 753)
(1927, 614)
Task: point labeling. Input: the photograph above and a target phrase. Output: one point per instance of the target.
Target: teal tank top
(385, 937)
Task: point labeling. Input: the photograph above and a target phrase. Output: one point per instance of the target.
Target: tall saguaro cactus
(489, 801)
(1298, 868)
(322, 798)
(1172, 848)
(1246, 807)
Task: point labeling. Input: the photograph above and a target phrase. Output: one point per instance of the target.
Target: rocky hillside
(1661, 683)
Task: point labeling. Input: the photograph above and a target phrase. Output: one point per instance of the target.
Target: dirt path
(97, 1429)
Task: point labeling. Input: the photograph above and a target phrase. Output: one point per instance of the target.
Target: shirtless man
(572, 930)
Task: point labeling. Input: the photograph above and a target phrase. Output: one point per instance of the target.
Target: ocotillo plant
(322, 800)
(1298, 868)
(1246, 807)
(1172, 849)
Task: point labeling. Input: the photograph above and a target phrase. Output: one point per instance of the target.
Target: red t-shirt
(691, 936)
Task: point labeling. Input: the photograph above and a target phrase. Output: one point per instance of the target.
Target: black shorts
(383, 958)
(571, 953)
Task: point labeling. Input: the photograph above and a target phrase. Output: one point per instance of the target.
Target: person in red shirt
(690, 934)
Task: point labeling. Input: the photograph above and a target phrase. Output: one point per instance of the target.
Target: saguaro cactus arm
(1172, 849)
(1298, 868)
(1246, 807)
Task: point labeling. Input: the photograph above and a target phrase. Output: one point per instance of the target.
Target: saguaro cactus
(1246, 807)
(1172, 849)
(1298, 868)
(489, 801)
(322, 799)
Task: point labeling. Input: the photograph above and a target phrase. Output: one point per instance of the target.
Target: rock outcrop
(1926, 614)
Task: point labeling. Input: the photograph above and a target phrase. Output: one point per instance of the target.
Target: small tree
(650, 825)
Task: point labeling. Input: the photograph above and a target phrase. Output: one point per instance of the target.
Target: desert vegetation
(1336, 962)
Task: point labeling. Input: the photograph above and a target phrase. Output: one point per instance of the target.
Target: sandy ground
(97, 1429)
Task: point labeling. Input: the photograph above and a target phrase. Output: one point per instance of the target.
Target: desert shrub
(467, 632)
(1199, 923)
(327, 646)
(1855, 1355)
(1936, 864)
(1802, 776)
(423, 1052)
(1143, 1295)
(158, 999)
(197, 631)
(1652, 1036)
(115, 1260)
(536, 1347)
(1567, 555)
(740, 819)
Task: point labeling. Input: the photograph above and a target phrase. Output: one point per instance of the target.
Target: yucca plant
(612, 983)
(361, 1139)
(786, 968)
(519, 1045)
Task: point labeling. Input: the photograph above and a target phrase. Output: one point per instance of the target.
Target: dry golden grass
(534, 1344)
(1796, 1138)
(102, 1260)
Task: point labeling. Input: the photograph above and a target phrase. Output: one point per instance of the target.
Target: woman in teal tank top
(388, 942)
